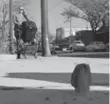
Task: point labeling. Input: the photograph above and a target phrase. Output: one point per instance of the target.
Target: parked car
(107, 45)
(51, 46)
(57, 47)
(77, 46)
(96, 46)
(52, 49)
(65, 47)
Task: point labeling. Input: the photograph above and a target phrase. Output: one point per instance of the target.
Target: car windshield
(78, 42)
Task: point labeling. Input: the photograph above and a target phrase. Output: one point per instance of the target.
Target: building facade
(62, 33)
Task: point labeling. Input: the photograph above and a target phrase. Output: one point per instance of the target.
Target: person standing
(18, 18)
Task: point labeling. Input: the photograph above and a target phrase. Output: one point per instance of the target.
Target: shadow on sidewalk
(97, 78)
(41, 96)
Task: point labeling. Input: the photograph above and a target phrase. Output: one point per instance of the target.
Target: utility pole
(10, 25)
(70, 26)
(70, 20)
(44, 24)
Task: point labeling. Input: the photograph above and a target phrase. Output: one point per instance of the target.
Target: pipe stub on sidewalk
(81, 78)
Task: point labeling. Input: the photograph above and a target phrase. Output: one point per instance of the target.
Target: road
(84, 54)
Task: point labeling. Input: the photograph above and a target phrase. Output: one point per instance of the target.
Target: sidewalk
(52, 64)
(54, 69)
(7, 57)
(47, 80)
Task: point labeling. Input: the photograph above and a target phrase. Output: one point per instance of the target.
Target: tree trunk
(10, 25)
(3, 33)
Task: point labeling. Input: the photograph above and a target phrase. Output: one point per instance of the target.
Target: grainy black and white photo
(54, 52)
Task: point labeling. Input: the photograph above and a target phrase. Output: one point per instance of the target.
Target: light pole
(10, 25)
(70, 26)
(44, 27)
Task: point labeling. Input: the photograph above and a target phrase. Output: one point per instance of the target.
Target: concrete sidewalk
(7, 57)
(50, 69)
(47, 80)
(56, 64)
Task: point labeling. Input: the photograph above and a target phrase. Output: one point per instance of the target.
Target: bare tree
(4, 10)
(3, 22)
(92, 11)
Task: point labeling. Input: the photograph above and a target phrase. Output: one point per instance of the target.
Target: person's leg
(17, 41)
(18, 55)
(18, 51)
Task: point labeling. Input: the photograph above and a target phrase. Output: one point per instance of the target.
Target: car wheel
(73, 50)
(107, 50)
(93, 50)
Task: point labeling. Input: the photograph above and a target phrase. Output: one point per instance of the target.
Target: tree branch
(91, 11)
